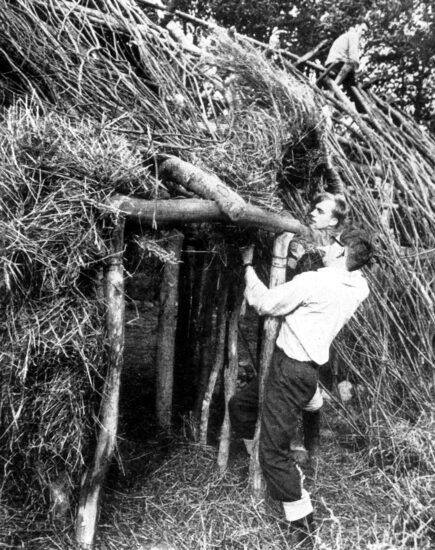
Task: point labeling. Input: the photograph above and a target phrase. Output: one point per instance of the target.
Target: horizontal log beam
(183, 211)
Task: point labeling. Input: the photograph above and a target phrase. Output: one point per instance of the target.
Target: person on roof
(343, 60)
(314, 306)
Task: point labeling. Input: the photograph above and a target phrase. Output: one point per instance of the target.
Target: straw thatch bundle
(54, 175)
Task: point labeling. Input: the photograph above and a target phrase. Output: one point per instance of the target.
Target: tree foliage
(399, 49)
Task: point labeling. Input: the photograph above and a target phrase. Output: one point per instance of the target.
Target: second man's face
(321, 217)
(331, 252)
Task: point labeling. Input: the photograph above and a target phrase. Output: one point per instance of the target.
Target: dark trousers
(348, 82)
(289, 387)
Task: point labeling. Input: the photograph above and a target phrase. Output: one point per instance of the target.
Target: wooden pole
(166, 332)
(205, 335)
(184, 382)
(184, 211)
(219, 357)
(311, 53)
(87, 515)
(271, 328)
(230, 377)
(198, 277)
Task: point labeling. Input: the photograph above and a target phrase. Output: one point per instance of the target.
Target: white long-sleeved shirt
(345, 49)
(315, 306)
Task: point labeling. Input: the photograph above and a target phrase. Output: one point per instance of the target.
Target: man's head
(352, 251)
(328, 211)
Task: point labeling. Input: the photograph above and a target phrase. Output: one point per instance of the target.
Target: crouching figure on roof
(343, 60)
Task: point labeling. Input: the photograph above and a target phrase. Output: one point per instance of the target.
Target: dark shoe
(303, 532)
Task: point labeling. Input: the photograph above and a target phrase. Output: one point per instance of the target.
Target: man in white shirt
(345, 49)
(343, 59)
(314, 306)
(327, 218)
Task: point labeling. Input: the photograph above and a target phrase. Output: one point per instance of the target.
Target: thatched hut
(128, 149)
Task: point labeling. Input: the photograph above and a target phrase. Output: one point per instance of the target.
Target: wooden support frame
(88, 511)
(166, 333)
(226, 206)
(183, 211)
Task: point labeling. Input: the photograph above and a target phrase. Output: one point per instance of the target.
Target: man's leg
(290, 386)
(311, 424)
(243, 408)
(331, 72)
(311, 427)
(346, 75)
(309, 445)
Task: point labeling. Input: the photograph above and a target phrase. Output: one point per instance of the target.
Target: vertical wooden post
(219, 356)
(270, 334)
(205, 337)
(184, 383)
(230, 378)
(87, 515)
(166, 334)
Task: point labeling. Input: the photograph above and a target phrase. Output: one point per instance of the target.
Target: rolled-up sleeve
(277, 301)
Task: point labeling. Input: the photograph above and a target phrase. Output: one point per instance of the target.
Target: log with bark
(204, 184)
(183, 211)
(87, 515)
(271, 328)
(230, 376)
(166, 333)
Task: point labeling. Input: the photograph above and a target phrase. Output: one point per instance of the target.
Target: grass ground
(169, 491)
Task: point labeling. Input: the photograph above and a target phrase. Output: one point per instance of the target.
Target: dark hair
(340, 210)
(359, 245)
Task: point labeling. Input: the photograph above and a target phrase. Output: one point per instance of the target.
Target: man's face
(331, 253)
(321, 217)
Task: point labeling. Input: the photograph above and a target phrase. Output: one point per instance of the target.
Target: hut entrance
(221, 331)
(137, 400)
(200, 288)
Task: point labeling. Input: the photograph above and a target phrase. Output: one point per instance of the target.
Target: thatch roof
(118, 68)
